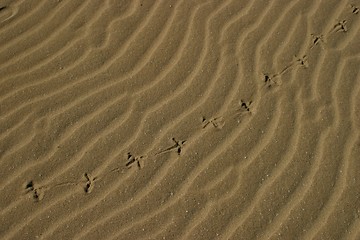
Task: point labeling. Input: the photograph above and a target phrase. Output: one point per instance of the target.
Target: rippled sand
(184, 119)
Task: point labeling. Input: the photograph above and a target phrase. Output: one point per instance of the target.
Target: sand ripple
(179, 119)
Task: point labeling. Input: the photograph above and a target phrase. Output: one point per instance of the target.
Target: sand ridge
(179, 119)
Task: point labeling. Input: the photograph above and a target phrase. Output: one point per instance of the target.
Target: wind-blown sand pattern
(180, 119)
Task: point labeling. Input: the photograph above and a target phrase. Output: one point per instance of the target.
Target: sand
(184, 119)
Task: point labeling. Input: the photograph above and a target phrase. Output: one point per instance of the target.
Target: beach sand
(179, 119)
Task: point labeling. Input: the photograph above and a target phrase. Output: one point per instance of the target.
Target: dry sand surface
(180, 119)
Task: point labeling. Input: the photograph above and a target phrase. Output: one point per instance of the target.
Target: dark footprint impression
(216, 122)
(177, 146)
(135, 160)
(36, 192)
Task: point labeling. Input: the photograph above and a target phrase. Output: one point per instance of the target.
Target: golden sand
(186, 119)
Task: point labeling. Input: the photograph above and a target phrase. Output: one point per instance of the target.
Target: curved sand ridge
(179, 119)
